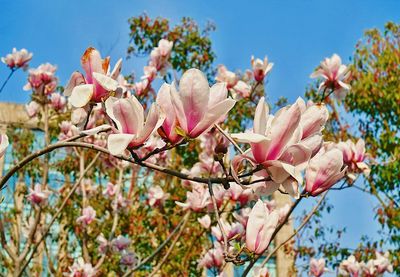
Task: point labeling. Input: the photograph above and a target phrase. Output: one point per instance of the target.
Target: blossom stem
(7, 79)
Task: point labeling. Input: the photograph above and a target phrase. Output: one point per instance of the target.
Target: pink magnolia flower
(3, 144)
(242, 216)
(335, 74)
(280, 144)
(205, 221)
(150, 73)
(57, 101)
(368, 269)
(140, 87)
(37, 195)
(42, 79)
(168, 129)
(324, 170)
(110, 190)
(260, 68)
(159, 56)
(197, 199)
(382, 263)
(197, 106)
(129, 259)
(232, 230)
(213, 258)
(354, 156)
(132, 130)
(97, 83)
(120, 243)
(87, 217)
(103, 243)
(237, 193)
(17, 59)
(32, 108)
(82, 269)
(350, 266)
(260, 226)
(226, 76)
(317, 267)
(232, 81)
(156, 196)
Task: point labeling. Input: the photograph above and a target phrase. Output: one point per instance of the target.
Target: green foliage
(192, 44)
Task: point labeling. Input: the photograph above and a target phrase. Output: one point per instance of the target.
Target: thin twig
(166, 255)
(159, 248)
(306, 220)
(55, 216)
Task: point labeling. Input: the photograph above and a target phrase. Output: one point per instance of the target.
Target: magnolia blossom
(159, 56)
(129, 259)
(57, 101)
(198, 107)
(368, 269)
(3, 144)
(32, 108)
(87, 217)
(156, 196)
(260, 68)
(197, 199)
(350, 266)
(97, 83)
(17, 59)
(120, 243)
(324, 170)
(226, 76)
(283, 144)
(232, 82)
(382, 263)
(141, 87)
(232, 230)
(260, 226)
(81, 269)
(132, 130)
(110, 190)
(354, 155)
(150, 73)
(42, 79)
(103, 243)
(205, 221)
(335, 74)
(317, 267)
(242, 216)
(242, 195)
(37, 195)
(213, 258)
(168, 129)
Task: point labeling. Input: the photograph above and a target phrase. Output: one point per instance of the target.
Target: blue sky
(296, 36)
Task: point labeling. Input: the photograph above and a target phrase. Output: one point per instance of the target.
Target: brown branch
(159, 248)
(166, 255)
(55, 216)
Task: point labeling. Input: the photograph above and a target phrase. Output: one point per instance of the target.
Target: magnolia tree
(171, 177)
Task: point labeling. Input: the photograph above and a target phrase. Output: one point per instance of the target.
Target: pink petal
(194, 93)
(261, 117)
(81, 95)
(76, 79)
(212, 117)
(117, 143)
